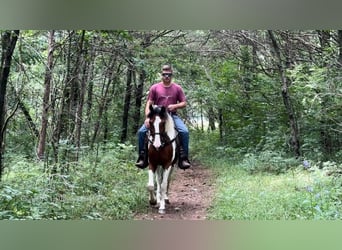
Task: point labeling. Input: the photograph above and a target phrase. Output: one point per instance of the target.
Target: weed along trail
(191, 192)
(240, 195)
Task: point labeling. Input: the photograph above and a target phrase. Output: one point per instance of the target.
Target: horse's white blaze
(157, 141)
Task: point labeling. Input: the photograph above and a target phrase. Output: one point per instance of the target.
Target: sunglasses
(167, 74)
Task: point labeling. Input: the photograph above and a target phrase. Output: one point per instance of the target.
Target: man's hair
(167, 67)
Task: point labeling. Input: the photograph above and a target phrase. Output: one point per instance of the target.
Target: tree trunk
(46, 98)
(8, 42)
(76, 95)
(26, 113)
(211, 119)
(89, 99)
(324, 38)
(61, 128)
(124, 127)
(294, 140)
(82, 89)
(139, 92)
(325, 140)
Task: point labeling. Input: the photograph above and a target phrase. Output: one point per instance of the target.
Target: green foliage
(293, 195)
(268, 185)
(207, 147)
(103, 185)
(267, 162)
(318, 94)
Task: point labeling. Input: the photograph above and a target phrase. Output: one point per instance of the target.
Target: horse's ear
(163, 112)
(151, 111)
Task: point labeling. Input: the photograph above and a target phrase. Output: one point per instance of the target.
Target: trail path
(191, 192)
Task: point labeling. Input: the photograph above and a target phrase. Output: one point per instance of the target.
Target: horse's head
(157, 111)
(158, 135)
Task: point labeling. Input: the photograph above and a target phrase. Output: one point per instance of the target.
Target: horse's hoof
(153, 202)
(167, 201)
(161, 211)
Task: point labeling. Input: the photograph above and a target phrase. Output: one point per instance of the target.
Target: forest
(265, 101)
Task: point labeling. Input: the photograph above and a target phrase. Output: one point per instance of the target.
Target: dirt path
(190, 195)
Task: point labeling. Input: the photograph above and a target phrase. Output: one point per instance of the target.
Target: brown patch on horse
(162, 156)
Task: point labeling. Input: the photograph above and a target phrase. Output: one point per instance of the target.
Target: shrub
(267, 161)
(102, 185)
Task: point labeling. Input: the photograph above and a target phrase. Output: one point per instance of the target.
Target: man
(170, 95)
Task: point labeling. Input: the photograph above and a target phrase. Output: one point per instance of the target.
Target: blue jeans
(180, 127)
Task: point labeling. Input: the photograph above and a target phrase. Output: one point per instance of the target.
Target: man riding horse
(170, 95)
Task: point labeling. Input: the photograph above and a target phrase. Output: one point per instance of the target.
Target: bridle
(164, 138)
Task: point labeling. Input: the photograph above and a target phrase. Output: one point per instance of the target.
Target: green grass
(295, 194)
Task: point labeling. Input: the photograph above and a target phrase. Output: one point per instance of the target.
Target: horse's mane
(170, 126)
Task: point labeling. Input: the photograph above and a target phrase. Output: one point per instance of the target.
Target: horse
(162, 155)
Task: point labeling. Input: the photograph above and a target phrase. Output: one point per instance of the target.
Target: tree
(127, 100)
(8, 42)
(294, 141)
(46, 98)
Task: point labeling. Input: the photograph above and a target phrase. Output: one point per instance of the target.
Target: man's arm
(147, 107)
(174, 107)
(147, 111)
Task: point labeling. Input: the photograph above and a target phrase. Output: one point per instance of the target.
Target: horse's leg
(167, 201)
(150, 187)
(172, 164)
(163, 190)
(159, 172)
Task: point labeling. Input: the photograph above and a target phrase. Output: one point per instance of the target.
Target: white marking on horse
(157, 140)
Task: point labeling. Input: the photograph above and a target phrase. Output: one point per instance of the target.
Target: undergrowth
(269, 185)
(295, 195)
(105, 184)
(102, 185)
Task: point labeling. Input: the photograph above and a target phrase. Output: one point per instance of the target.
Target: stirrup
(184, 164)
(141, 163)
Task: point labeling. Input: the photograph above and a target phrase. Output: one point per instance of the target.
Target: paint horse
(162, 157)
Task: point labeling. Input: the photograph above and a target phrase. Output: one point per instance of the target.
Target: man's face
(166, 76)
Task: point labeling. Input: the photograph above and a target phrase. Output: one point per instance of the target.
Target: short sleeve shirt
(164, 96)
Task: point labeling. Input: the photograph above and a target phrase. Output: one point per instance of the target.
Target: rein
(163, 144)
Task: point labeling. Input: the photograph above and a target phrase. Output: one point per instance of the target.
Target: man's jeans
(180, 127)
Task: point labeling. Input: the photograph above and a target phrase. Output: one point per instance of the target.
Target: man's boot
(142, 160)
(183, 162)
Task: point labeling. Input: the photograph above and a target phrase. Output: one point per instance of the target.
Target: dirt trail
(190, 195)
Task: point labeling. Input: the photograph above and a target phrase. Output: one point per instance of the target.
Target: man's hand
(147, 122)
(172, 108)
